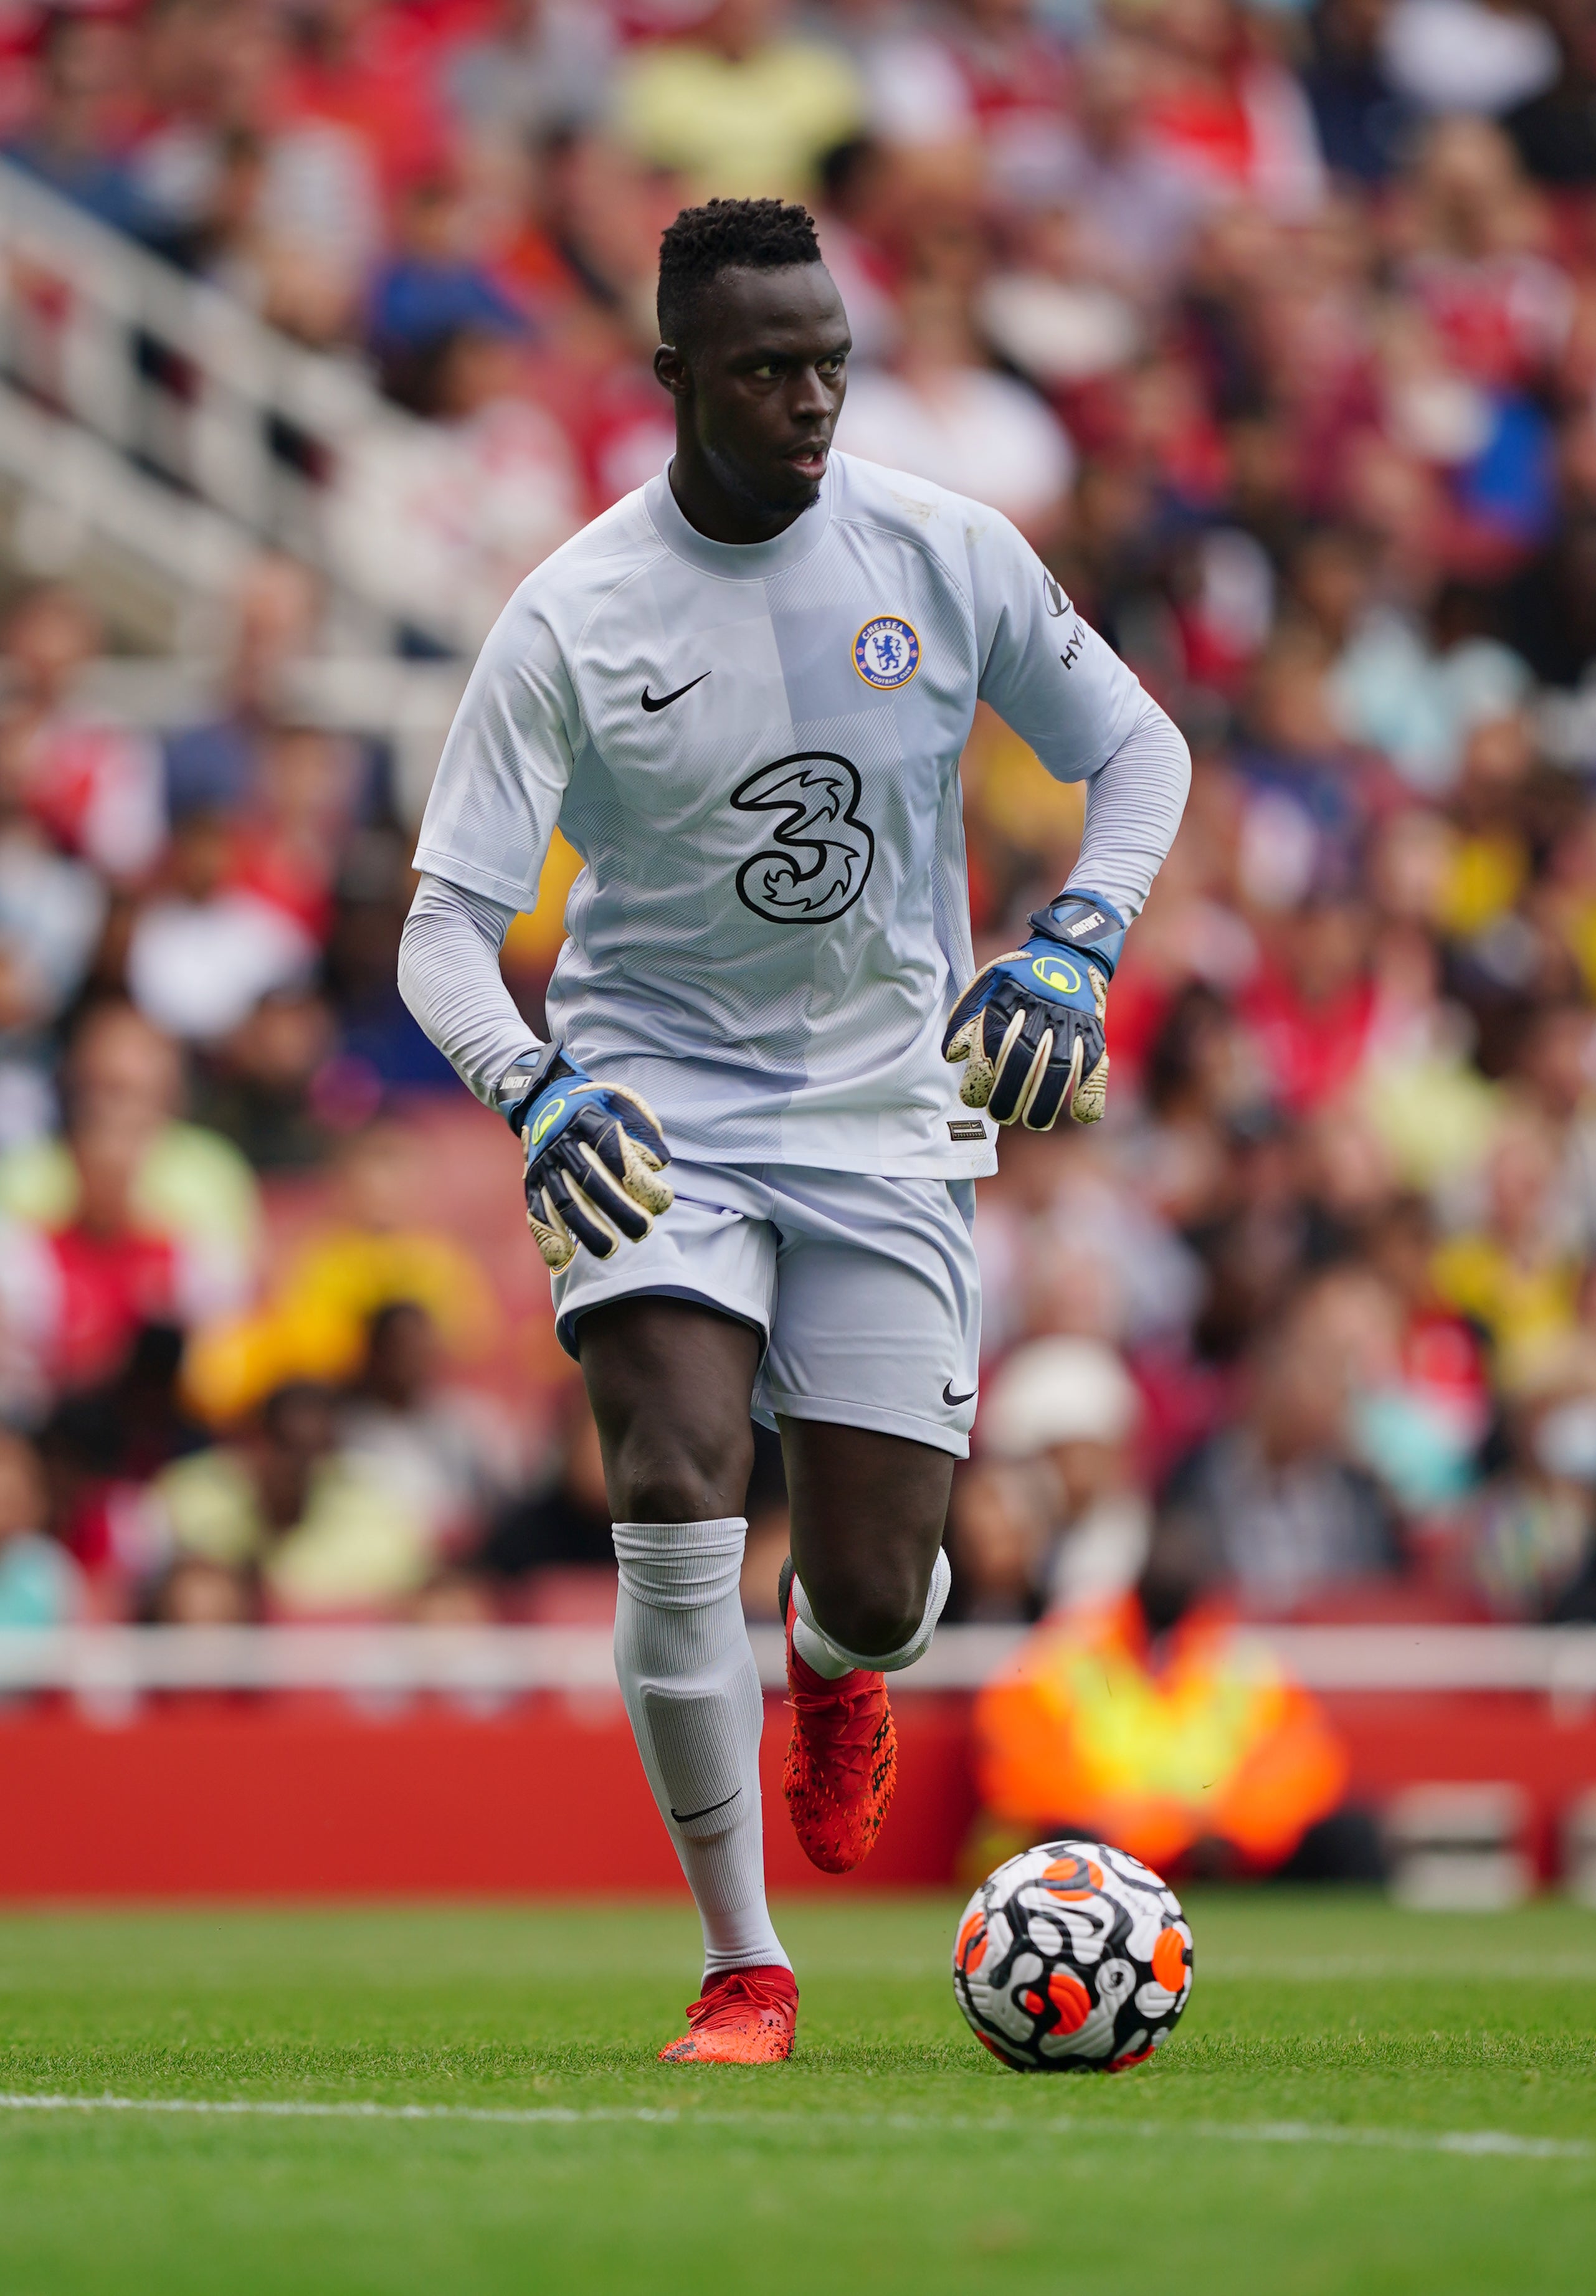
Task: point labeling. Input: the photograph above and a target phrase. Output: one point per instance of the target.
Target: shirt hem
(980, 1165)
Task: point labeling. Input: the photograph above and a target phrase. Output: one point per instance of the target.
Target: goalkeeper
(771, 1082)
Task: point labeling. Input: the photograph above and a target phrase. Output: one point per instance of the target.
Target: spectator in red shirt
(1478, 266)
(108, 1274)
(1310, 1005)
(373, 70)
(94, 786)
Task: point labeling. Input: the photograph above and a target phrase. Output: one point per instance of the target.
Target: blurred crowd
(1274, 326)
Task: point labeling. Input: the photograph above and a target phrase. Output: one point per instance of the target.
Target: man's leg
(872, 1372)
(868, 1515)
(669, 1384)
(860, 1599)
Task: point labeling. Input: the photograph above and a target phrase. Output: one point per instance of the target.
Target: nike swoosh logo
(652, 702)
(686, 1816)
(952, 1401)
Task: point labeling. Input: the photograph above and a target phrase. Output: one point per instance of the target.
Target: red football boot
(745, 2018)
(842, 1764)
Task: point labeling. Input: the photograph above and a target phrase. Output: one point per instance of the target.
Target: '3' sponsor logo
(821, 854)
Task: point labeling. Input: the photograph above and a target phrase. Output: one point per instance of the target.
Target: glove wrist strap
(1083, 922)
(519, 1087)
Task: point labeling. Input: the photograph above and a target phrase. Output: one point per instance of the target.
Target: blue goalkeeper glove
(1030, 1025)
(594, 1152)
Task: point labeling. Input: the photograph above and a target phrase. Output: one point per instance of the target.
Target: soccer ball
(1073, 1958)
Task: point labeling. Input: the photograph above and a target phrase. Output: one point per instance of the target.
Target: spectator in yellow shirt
(1513, 1271)
(319, 1527)
(743, 109)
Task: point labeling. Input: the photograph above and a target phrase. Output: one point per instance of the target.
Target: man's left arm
(1030, 1027)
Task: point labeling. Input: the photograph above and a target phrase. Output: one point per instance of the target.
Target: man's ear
(671, 370)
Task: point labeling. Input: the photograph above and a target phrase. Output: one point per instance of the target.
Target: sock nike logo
(686, 1816)
(652, 702)
(952, 1401)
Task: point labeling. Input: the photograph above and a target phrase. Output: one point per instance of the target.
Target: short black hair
(745, 235)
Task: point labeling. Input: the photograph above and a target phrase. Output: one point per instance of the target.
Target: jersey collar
(744, 561)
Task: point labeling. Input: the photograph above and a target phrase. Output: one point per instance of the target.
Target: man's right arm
(594, 1151)
(491, 813)
(448, 976)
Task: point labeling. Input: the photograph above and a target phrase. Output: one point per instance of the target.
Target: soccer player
(742, 694)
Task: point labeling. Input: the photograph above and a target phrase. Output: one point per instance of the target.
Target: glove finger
(1055, 1088)
(641, 1128)
(609, 1157)
(550, 1234)
(969, 1004)
(1012, 1062)
(960, 1042)
(584, 1219)
(1087, 1104)
(968, 1010)
(1037, 1079)
(967, 1046)
(641, 1177)
(608, 1195)
(594, 1133)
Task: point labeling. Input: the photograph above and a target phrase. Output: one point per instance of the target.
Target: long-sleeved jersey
(755, 748)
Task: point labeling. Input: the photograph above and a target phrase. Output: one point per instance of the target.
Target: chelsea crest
(887, 651)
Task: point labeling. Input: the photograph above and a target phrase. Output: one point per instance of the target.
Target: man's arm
(1133, 806)
(489, 818)
(594, 1151)
(448, 976)
(1061, 686)
(1030, 1027)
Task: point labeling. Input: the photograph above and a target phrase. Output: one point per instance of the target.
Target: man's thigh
(668, 1334)
(876, 1325)
(871, 1372)
(714, 1248)
(867, 1513)
(671, 1383)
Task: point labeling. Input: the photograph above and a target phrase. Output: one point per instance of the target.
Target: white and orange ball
(1072, 1958)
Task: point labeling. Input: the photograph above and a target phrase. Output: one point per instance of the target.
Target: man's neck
(717, 514)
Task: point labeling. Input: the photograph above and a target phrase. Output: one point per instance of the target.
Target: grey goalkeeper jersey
(755, 749)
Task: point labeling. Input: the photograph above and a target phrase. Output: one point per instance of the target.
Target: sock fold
(830, 1658)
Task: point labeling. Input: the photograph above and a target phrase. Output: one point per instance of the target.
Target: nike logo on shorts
(952, 1401)
(652, 702)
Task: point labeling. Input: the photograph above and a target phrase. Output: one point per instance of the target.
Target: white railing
(114, 365)
(105, 1665)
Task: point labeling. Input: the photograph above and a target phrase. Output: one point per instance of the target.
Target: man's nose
(812, 399)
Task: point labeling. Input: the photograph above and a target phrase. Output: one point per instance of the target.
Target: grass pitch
(1358, 2100)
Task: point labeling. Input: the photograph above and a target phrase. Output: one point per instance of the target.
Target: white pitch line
(308, 2109)
(1328, 1968)
(1470, 2141)
(1473, 2142)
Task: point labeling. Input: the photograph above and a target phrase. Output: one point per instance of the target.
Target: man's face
(761, 385)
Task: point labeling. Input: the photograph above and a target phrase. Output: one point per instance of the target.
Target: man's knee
(874, 1615)
(677, 1474)
(868, 1516)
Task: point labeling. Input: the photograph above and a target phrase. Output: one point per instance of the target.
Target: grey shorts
(864, 1290)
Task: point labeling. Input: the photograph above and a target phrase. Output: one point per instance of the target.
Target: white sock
(692, 1690)
(833, 1659)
